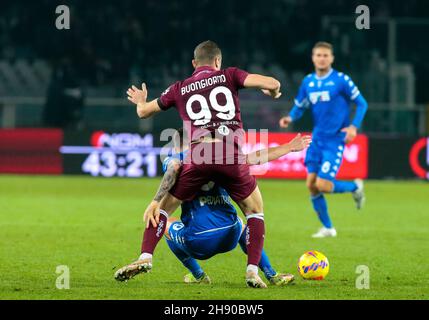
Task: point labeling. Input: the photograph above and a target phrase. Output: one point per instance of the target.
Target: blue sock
(343, 186)
(264, 263)
(190, 263)
(321, 208)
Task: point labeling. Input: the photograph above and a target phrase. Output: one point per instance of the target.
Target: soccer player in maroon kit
(209, 106)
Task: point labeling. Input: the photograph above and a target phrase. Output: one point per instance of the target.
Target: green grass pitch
(94, 226)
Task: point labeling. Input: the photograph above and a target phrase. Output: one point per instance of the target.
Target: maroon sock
(152, 235)
(255, 238)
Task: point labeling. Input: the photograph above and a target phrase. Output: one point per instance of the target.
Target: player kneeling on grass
(209, 224)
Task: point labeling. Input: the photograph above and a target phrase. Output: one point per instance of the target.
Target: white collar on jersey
(325, 76)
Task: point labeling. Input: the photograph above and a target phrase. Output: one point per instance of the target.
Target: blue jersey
(329, 99)
(211, 210)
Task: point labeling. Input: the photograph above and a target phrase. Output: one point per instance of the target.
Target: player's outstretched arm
(138, 96)
(151, 214)
(296, 113)
(301, 103)
(269, 85)
(269, 154)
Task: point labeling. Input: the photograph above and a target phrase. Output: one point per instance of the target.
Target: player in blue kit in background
(328, 93)
(209, 224)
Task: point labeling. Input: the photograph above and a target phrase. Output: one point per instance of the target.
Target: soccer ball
(313, 265)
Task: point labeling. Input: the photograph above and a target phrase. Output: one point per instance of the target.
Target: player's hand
(151, 214)
(299, 143)
(285, 122)
(136, 95)
(351, 133)
(275, 94)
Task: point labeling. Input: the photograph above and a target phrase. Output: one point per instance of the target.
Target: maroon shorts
(234, 178)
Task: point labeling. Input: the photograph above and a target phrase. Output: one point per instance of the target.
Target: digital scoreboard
(137, 154)
(111, 154)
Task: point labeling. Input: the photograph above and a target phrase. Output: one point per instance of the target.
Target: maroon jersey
(207, 101)
(208, 104)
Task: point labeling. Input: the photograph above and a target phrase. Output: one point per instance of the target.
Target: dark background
(110, 40)
(76, 79)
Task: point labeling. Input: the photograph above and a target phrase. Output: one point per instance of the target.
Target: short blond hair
(323, 44)
(207, 52)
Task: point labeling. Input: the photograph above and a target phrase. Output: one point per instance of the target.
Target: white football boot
(359, 195)
(325, 233)
(133, 269)
(253, 280)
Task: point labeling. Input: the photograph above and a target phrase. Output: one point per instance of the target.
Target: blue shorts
(324, 157)
(205, 245)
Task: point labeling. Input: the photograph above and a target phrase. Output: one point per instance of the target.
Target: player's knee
(323, 185)
(310, 184)
(312, 187)
(251, 205)
(251, 209)
(255, 207)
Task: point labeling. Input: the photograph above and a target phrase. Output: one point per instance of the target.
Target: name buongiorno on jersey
(201, 84)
